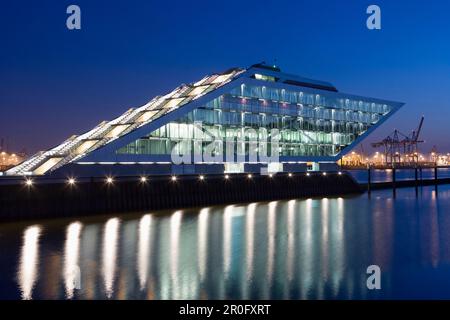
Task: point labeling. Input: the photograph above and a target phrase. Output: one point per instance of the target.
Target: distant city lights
(355, 159)
(10, 159)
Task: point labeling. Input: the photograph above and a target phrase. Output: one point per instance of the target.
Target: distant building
(299, 124)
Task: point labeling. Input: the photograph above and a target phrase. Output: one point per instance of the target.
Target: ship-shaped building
(237, 121)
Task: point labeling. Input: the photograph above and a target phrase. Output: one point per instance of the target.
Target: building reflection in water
(90, 260)
(72, 273)
(110, 241)
(144, 249)
(306, 246)
(175, 230)
(271, 234)
(338, 244)
(291, 217)
(296, 249)
(249, 249)
(29, 259)
(325, 243)
(227, 239)
(202, 244)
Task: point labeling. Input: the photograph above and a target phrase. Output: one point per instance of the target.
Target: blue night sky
(55, 82)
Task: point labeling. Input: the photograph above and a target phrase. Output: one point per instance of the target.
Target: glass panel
(309, 124)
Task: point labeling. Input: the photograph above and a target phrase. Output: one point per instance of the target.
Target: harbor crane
(398, 146)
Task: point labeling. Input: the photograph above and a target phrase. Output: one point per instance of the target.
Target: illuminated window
(116, 131)
(146, 116)
(264, 77)
(198, 90)
(172, 103)
(86, 145)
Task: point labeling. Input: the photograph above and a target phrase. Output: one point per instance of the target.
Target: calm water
(401, 174)
(298, 249)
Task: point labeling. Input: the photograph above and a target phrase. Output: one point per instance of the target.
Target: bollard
(435, 180)
(393, 182)
(435, 174)
(416, 182)
(393, 177)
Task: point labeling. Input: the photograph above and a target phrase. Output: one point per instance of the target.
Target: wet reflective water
(385, 175)
(297, 249)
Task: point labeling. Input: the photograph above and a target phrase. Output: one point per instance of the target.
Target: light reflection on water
(109, 256)
(28, 265)
(72, 273)
(385, 175)
(144, 249)
(296, 249)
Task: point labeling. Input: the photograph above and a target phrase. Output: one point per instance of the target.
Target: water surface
(385, 175)
(297, 249)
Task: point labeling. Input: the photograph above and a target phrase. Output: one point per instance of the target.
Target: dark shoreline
(44, 199)
(95, 197)
(404, 183)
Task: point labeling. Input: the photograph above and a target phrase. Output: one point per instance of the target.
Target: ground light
(71, 181)
(227, 177)
(29, 182)
(143, 179)
(201, 177)
(270, 175)
(174, 178)
(339, 173)
(324, 173)
(308, 174)
(290, 174)
(249, 176)
(109, 180)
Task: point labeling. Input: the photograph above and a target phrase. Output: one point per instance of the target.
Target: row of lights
(144, 179)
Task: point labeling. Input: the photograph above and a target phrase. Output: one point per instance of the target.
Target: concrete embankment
(44, 199)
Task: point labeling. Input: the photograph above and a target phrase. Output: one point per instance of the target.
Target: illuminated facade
(315, 126)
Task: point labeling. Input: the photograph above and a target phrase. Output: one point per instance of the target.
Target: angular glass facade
(309, 124)
(260, 110)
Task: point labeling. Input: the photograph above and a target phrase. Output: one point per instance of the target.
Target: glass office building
(237, 121)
